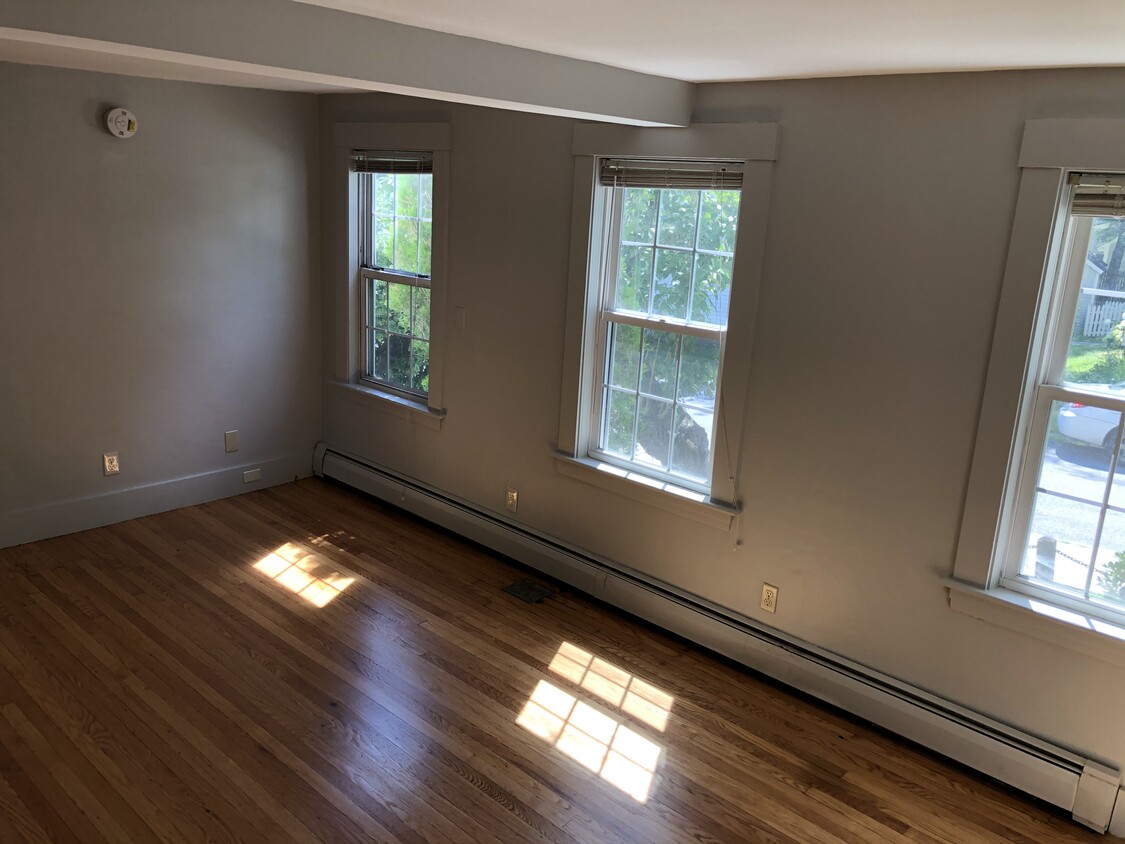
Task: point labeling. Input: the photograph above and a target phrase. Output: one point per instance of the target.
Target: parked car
(1089, 424)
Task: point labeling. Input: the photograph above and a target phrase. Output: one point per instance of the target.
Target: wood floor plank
(169, 679)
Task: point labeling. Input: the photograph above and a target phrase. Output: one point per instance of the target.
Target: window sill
(664, 496)
(414, 411)
(1086, 634)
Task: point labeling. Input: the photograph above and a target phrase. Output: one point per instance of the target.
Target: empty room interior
(542, 422)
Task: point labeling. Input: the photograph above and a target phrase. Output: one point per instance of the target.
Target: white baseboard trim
(1052, 773)
(61, 517)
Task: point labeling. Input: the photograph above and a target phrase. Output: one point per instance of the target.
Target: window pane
(421, 313)
(406, 245)
(378, 352)
(420, 366)
(678, 210)
(398, 308)
(710, 298)
(1097, 343)
(425, 247)
(1076, 458)
(699, 371)
(622, 410)
(625, 356)
(672, 283)
(634, 278)
(398, 363)
(1109, 572)
(638, 215)
(406, 195)
(691, 442)
(658, 363)
(718, 220)
(384, 190)
(384, 241)
(1060, 542)
(379, 303)
(654, 432)
(426, 200)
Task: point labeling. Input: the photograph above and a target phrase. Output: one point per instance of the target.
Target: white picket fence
(1101, 318)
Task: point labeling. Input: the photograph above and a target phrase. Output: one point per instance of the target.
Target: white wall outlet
(513, 499)
(230, 441)
(769, 598)
(110, 464)
(251, 475)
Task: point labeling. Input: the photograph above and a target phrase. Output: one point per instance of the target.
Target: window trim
(1050, 150)
(752, 143)
(350, 284)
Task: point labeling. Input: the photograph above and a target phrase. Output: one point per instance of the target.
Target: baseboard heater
(1082, 786)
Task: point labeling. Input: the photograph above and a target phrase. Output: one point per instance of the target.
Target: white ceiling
(719, 40)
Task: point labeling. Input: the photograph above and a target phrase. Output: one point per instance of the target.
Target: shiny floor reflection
(304, 574)
(599, 740)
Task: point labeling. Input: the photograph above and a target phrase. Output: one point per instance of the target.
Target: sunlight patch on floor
(620, 755)
(304, 574)
(596, 739)
(616, 687)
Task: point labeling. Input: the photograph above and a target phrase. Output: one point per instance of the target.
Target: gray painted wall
(893, 200)
(154, 293)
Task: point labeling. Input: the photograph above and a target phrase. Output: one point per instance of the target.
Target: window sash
(608, 315)
(369, 278)
(1060, 297)
(367, 218)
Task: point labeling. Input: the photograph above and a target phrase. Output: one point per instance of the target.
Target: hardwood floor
(302, 664)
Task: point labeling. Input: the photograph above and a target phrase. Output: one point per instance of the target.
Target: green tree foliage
(1107, 249)
(1112, 578)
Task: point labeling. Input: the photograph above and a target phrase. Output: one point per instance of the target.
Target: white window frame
(349, 366)
(370, 273)
(754, 144)
(1007, 444)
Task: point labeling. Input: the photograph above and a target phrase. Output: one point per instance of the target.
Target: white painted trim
(434, 137)
(1066, 628)
(1038, 767)
(1049, 150)
(663, 496)
(62, 517)
(736, 141)
(756, 145)
(392, 404)
(999, 441)
(1074, 144)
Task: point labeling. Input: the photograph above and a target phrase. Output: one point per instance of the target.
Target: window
(395, 258)
(1065, 537)
(667, 238)
(667, 259)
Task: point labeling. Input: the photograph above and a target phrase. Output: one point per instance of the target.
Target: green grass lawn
(1092, 362)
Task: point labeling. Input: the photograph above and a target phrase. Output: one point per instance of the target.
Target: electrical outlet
(110, 464)
(513, 499)
(769, 598)
(230, 441)
(251, 475)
